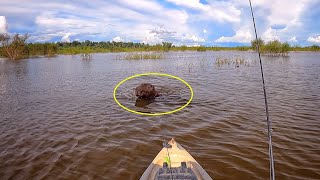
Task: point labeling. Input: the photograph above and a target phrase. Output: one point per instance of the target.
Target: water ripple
(62, 122)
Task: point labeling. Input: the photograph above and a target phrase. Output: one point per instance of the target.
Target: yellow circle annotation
(152, 74)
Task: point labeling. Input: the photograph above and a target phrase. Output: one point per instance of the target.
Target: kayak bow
(174, 162)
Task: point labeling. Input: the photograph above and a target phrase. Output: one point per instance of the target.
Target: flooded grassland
(58, 118)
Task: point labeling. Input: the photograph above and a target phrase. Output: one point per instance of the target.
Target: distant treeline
(77, 47)
(16, 47)
(87, 46)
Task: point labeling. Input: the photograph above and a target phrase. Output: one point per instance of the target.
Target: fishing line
(271, 161)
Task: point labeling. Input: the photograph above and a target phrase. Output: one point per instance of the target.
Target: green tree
(315, 47)
(256, 42)
(285, 48)
(166, 46)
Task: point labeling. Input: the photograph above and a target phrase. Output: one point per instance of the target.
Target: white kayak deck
(177, 155)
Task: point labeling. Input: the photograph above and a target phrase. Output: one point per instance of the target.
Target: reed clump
(140, 56)
(86, 56)
(237, 61)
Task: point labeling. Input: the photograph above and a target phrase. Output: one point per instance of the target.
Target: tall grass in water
(86, 56)
(237, 61)
(139, 56)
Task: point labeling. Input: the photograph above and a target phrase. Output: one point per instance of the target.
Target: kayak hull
(177, 155)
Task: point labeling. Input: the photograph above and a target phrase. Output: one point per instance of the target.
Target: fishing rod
(271, 161)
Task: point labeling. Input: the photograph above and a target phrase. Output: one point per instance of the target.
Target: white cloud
(293, 39)
(66, 37)
(147, 5)
(286, 12)
(152, 38)
(278, 12)
(220, 11)
(196, 4)
(193, 45)
(3, 24)
(163, 33)
(192, 38)
(152, 21)
(271, 34)
(134, 21)
(275, 15)
(241, 36)
(271, 12)
(315, 39)
(117, 39)
(275, 12)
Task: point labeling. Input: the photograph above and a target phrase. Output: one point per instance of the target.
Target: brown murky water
(58, 119)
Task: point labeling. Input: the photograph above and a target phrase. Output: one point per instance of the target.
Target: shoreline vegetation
(16, 47)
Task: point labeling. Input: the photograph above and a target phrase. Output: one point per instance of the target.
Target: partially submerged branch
(13, 47)
(16, 47)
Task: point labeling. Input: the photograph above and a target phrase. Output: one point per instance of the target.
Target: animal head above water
(146, 91)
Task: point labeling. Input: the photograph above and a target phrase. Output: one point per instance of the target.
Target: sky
(183, 22)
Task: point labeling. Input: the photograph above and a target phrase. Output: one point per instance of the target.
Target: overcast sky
(189, 22)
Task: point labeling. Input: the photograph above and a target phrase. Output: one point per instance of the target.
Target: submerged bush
(13, 47)
(274, 48)
(16, 47)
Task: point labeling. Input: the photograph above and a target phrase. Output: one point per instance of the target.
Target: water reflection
(140, 102)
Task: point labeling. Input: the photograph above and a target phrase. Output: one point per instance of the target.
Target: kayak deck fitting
(174, 162)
